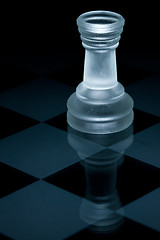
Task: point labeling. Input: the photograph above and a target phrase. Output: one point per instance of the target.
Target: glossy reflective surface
(58, 183)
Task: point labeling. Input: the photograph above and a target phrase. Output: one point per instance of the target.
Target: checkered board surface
(48, 189)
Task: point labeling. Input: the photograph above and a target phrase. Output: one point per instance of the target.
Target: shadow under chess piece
(100, 104)
(98, 208)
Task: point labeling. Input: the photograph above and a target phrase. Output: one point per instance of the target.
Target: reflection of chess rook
(101, 178)
(100, 104)
(101, 201)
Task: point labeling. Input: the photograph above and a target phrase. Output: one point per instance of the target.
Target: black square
(59, 121)
(13, 122)
(143, 120)
(129, 177)
(11, 75)
(13, 179)
(64, 179)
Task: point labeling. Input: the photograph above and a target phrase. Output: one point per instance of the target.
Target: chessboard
(57, 183)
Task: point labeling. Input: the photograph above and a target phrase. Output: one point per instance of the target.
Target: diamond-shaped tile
(71, 179)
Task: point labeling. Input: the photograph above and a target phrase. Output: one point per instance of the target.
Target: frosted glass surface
(100, 104)
(100, 69)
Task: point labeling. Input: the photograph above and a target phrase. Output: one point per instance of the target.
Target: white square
(40, 211)
(41, 150)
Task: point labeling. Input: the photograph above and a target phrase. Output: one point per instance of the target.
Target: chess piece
(100, 104)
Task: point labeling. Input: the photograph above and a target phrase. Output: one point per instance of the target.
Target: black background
(31, 27)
